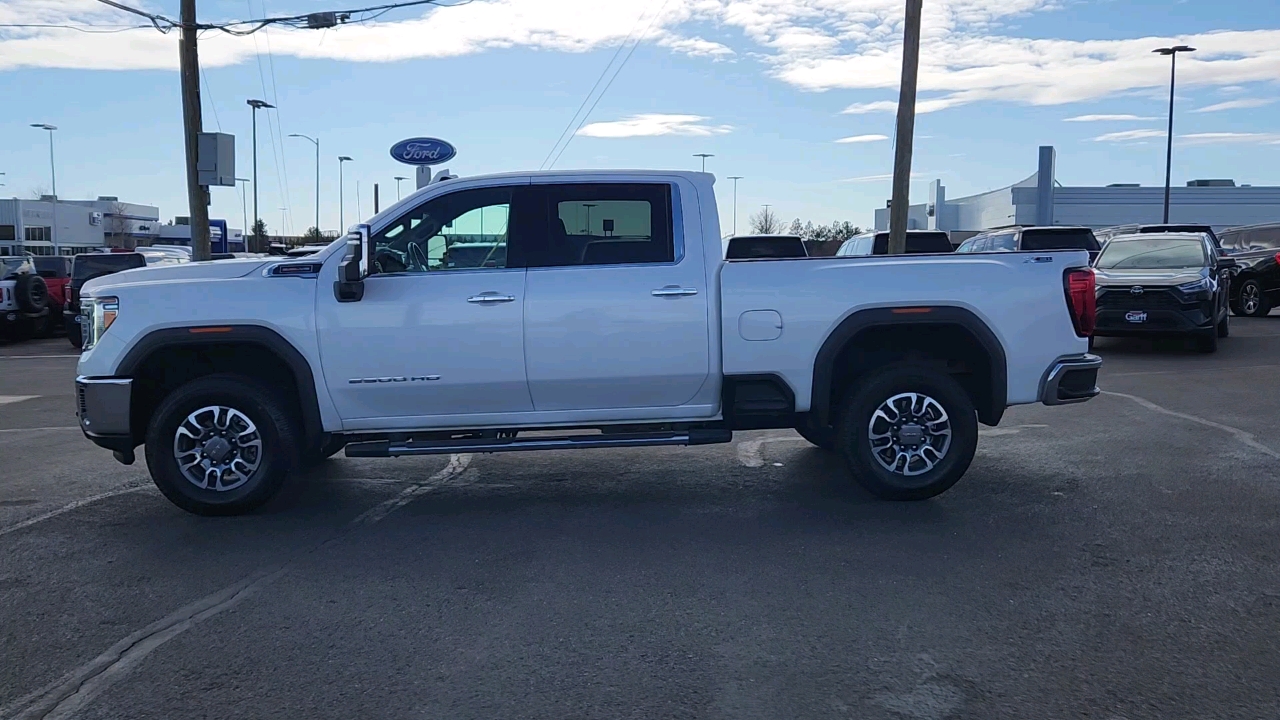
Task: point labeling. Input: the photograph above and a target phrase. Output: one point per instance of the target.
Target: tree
(313, 236)
(118, 226)
(258, 241)
(824, 239)
(765, 222)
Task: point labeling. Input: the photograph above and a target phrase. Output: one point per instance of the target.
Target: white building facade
(1040, 200)
(67, 227)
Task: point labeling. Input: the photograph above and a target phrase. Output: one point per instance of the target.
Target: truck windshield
(1152, 254)
(917, 243)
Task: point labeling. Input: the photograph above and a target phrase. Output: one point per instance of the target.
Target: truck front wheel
(221, 445)
(907, 432)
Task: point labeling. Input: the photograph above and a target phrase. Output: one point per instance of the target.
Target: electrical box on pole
(217, 159)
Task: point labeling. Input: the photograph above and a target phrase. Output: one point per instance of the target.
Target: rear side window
(606, 224)
(1065, 239)
(91, 265)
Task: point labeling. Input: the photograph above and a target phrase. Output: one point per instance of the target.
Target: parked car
(1135, 229)
(24, 298)
(56, 271)
(1255, 288)
(877, 243)
(1170, 284)
(646, 336)
(1034, 238)
(746, 247)
(86, 267)
(302, 251)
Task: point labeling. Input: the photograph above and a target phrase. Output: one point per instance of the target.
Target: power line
(639, 40)
(89, 29)
(277, 148)
(309, 21)
(604, 71)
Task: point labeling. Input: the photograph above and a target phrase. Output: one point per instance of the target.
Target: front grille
(1149, 299)
(80, 402)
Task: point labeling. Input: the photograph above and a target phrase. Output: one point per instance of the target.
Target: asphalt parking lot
(1117, 559)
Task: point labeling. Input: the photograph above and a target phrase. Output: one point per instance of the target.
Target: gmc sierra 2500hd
(479, 309)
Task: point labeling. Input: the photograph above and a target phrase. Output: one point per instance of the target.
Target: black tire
(276, 428)
(1251, 301)
(31, 293)
(1224, 326)
(853, 434)
(823, 437)
(1208, 342)
(42, 326)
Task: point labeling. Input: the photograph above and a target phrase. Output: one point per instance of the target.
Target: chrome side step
(393, 448)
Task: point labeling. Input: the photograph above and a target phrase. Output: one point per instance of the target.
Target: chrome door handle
(491, 298)
(673, 291)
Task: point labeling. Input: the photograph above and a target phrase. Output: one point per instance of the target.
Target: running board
(391, 448)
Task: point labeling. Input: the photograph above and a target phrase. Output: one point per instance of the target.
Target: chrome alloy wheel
(1250, 298)
(910, 434)
(217, 448)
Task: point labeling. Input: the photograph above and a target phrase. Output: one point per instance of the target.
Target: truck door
(615, 311)
(439, 333)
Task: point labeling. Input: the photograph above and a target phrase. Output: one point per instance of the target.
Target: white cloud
(1128, 135)
(862, 139)
(1242, 104)
(927, 105)
(1217, 138)
(653, 125)
(881, 178)
(1105, 118)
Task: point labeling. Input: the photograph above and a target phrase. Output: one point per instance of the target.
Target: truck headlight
(99, 313)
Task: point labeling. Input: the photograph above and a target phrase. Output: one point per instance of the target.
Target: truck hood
(1150, 278)
(213, 270)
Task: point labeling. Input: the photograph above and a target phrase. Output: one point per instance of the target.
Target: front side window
(464, 230)
(1005, 242)
(1153, 254)
(606, 224)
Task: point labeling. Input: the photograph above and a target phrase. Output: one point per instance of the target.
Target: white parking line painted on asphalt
(65, 697)
(36, 357)
(10, 399)
(1241, 435)
(39, 429)
(69, 507)
(750, 451)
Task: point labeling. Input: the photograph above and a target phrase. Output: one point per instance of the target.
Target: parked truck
(604, 317)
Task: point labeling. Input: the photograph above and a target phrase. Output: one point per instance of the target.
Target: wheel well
(167, 367)
(951, 347)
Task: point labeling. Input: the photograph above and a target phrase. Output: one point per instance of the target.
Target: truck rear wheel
(221, 445)
(907, 432)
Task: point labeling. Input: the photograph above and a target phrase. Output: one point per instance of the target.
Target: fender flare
(824, 365)
(268, 339)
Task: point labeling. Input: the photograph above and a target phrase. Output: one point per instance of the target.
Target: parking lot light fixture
(1172, 53)
(342, 216)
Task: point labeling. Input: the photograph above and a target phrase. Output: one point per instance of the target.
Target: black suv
(1171, 284)
(1050, 237)
(84, 268)
(877, 243)
(1256, 286)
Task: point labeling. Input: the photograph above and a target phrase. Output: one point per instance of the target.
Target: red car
(56, 271)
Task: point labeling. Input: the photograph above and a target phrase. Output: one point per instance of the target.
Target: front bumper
(1156, 311)
(1071, 379)
(102, 404)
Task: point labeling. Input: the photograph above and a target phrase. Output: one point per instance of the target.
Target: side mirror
(1227, 263)
(350, 285)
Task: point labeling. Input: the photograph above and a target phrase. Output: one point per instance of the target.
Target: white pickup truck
(560, 310)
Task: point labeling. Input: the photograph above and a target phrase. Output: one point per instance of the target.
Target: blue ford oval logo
(423, 151)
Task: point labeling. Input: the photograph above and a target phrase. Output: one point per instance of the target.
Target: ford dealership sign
(423, 151)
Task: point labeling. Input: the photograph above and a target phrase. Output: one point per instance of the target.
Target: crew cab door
(615, 310)
(438, 337)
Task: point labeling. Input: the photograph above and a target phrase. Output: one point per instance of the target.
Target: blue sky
(768, 86)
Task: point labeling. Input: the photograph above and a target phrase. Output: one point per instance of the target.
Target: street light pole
(256, 105)
(316, 142)
(53, 177)
(1172, 52)
(735, 179)
(243, 207)
(704, 157)
(398, 178)
(342, 206)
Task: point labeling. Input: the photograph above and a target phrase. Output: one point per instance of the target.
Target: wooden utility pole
(192, 126)
(900, 204)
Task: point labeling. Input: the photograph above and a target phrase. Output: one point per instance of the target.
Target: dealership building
(1040, 200)
(28, 226)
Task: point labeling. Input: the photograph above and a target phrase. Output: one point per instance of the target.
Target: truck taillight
(1082, 299)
